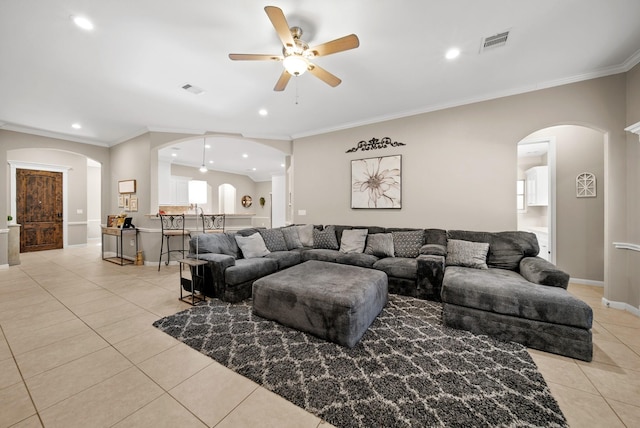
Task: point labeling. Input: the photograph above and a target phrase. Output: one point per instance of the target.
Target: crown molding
(50, 134)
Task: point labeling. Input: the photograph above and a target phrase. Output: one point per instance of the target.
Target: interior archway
(575, 224)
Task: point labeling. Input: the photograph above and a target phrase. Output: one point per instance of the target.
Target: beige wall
(10, 140)
(633, 189)
(459, 164)
(579, 221)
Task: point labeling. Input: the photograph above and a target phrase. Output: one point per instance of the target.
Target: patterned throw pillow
(325, 239)
(407, 244)
(291, 237)
(467, 254)
(380, 245)
(273, 239)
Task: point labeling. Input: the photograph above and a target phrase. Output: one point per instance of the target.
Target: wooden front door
(39, 209)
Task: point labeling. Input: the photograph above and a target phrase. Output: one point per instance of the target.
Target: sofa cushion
(246, 270)
(285, 259)
(398, 267)
(506, 249)
(291, 237)
(380, 245)
(305, 232)
(433, 250)
(221, 243)
(353, 240)
(467, 253)
(506, 292)
(356, 259)
(408, 243)
(325, 239)
(252, 246)
(273, 239)
(321, 254)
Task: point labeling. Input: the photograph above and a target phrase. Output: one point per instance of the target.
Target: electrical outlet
(302, 212)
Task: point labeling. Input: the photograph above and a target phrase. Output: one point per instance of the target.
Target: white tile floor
(77, 349)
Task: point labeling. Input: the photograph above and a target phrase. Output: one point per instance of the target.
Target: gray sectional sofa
(490, 283)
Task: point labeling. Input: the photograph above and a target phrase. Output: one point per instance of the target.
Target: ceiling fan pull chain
(297, 92)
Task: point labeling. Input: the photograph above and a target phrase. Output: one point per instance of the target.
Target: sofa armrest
(430, 273)
(212, 273)
(540, 271)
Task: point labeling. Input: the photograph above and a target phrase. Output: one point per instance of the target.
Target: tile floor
(77, 349)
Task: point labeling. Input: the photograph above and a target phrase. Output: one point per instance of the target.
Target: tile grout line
(24, 383)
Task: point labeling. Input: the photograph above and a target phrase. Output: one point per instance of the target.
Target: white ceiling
(124, 77)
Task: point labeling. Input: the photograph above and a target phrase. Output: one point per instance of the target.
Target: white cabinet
(538, 186)
(177, 191)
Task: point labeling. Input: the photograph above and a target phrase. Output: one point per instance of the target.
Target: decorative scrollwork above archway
(375, 144)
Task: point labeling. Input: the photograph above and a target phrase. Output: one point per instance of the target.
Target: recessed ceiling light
(452, 53)
(282, 165)
(210, 161)
(174, 154)
(76, 126)
(253, 169)
(244, 155)
(207, 146)
(263, 112)
(82, 22)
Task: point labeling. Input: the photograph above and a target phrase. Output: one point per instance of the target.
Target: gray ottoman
(329, 300)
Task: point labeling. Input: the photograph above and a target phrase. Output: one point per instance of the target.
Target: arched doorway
(574, 222)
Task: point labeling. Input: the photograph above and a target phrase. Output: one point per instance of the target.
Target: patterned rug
(408, 370)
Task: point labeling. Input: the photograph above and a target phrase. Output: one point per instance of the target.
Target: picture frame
(133, 203)
(376, 183)
(111, 220)
(120, 201)
(127, 202)
(127, 186)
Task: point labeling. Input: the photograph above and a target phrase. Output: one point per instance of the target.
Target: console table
(120, 234)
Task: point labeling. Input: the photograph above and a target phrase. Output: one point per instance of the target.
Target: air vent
(193, 89)
(495, 41)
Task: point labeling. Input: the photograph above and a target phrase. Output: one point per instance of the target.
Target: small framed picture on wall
(127, 202)
(133, 203)
(121, 201)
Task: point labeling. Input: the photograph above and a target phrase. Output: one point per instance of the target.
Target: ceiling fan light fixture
(296, 65)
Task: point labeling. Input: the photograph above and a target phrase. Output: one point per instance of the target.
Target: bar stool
(213, 223)
(172, 225)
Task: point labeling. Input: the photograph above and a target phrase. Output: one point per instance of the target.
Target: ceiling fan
(296, 53)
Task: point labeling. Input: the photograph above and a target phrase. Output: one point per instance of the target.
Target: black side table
(186, 283)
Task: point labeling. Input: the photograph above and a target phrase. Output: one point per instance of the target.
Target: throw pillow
(408, 243)
(325, 239)
(353, 240)
(291, 237)
(252, 246)
(305, 232)
(380, 245)
(467, 254)
(273, 239)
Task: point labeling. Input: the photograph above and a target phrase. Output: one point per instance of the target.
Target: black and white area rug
(409, 370)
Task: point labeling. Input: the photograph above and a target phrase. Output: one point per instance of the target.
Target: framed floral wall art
(377, 182)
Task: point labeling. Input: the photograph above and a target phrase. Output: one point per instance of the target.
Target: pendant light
(203, 168)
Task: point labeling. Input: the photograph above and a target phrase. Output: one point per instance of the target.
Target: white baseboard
(4, 266)
(587, 282)
(621, 305)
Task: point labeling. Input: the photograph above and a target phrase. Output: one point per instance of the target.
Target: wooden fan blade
(338, 45)
(254, 57)
(279, 22)
(282, 81)
(324, 75)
